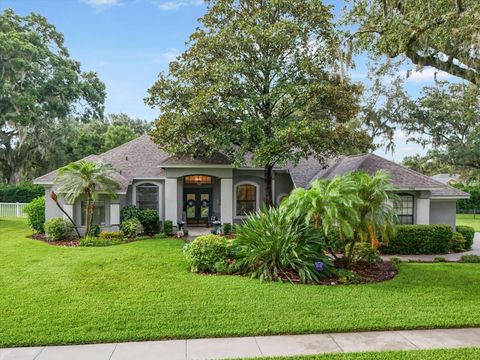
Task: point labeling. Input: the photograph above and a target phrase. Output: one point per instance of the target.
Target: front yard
(469, 220)
(144, 290)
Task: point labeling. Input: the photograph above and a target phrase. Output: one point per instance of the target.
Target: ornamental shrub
(111, 235)
(420, 239)
(458, 242)
(35, 211)
(363, 252)
(468, 233)
(130, 212)
(131, 228)
(395, 262)
(227, 228)
(149, 218)
(168, 227)
(207, 253)
(94, 231)
(99, 242)
(470, 259)
(58, 229)
(23, 193)
(150, 221)
(272, 246)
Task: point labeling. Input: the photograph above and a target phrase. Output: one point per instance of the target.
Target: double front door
(198, 205)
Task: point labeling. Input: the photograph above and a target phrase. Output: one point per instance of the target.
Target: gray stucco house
(195, 189)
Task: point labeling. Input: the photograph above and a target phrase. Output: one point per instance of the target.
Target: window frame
(150, 184)
(83, 204)
(404, 216)
(257, 197)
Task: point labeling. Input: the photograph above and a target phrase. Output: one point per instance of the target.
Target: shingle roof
(216, 159)
(142, 158)
(138, 158)
(306, 170)
(402, 177)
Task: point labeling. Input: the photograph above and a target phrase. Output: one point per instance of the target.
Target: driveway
(449, 257)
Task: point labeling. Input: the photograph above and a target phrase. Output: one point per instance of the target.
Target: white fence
(12, 210)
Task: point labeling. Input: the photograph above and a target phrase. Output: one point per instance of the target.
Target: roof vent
(126, 158)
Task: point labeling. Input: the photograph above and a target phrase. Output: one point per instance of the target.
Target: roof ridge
(124, 144)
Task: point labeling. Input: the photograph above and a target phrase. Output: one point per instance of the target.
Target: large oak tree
(447, 117)
(259, 77)
(40, 86)
(444, 34)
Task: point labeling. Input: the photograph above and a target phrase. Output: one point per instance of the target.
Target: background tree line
(51, 112)
(268, 78)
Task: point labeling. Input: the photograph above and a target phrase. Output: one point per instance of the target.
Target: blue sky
(128, 42)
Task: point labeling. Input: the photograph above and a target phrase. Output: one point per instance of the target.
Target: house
(448, 179)
(194, 189)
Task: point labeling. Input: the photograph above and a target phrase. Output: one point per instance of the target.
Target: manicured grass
(143, 290)
(467, 219)
(440, 354)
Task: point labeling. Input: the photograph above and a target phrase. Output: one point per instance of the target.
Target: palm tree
(376, 215)
(327, 205)
(86, 178)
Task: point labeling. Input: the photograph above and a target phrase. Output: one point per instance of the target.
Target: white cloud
(102, 3)
(177, 4)
(171, 54)
(426, 74)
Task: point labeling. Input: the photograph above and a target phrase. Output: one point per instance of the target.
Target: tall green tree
(441, 33)
(259, 77)
(88, 179)
(429, 165)
(447, 117)
(39, 84)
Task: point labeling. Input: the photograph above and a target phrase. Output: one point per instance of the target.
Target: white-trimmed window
(404, 208)
(99, 217)
(246, 198)
(147, 196)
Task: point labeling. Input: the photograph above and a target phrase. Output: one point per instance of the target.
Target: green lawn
(143, 290)
(467, 219)
(440, 354)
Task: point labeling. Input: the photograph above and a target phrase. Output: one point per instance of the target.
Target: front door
(198, 205)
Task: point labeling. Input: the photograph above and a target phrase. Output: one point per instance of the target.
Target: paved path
(259, 346)
(449, 257)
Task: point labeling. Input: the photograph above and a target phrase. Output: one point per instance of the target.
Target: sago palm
(327, 205)
(89, 179)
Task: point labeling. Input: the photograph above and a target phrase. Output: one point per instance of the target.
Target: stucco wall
(443, 212)
(51, 209)
(283, 185)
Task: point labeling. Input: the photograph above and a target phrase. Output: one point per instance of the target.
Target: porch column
(423, 210)
(171, 205)
(69, 210)
(226, 200)
(114, 214)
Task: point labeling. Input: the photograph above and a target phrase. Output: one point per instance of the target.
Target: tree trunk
(88, 214)
(268, 176)
(53, 196)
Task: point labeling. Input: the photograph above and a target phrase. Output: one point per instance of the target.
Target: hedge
(468, 233)
(23, 193)
(420, 239)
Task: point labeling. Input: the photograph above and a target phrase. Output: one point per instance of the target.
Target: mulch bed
(68, 243)
(367, 274)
